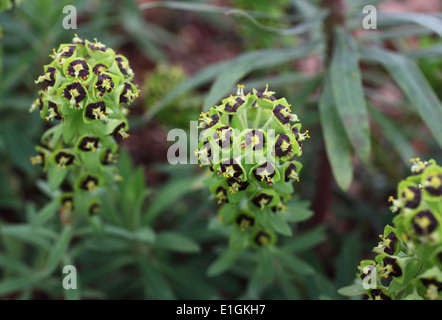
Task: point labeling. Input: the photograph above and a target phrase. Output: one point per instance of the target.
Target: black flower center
(237, 185)
(67, 51)
(434, 185)
(262, 199)
(391, 267)
(290, 173)
(245, 222)
(264, 172)
(412, 195)
(378, 294)
(95, 110)
(223, 136)
(255, 138)
(232, 106)
(283, 145)
(230, 168)
(389, 243)
(74, 92)
(78, 68)
(262, 238)
(89, 183)
(64, 159)
(221, 195)
(99, 68)
(88, 144)
(104, 83)
(424, 222)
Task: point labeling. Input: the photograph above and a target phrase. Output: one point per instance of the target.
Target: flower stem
(267, 123)
(258, 118)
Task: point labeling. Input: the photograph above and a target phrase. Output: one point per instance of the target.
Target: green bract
(88, 88)
(250, 142)
(408, 264)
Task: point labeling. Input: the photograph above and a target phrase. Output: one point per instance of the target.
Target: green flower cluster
(408, 264)
(249, 142)
(88, 87)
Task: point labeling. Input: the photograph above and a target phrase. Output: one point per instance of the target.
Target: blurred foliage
(161, 80)
(370, 105)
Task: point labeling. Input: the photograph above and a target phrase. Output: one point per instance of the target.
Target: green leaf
(305, 241)
(10, 285)
(10, 264)
(337, 145)
(175, 241)
(167, 196)
(413, 84)
(287, 288)
(25, 233)
(155, 285)
(395, 136)
(223, 262)
(279, 224)
(203, 76)
(299, 28)
(20, 67)
(106, 269)
(297, 211)
(347, 259)
(293, 263)
(56, 176)
(426, 20)
(354, 289)
(134, 193)
(46, 213)
(59, 249)
(145, 234)
(346, 86)
(136, 26)
(249, 61)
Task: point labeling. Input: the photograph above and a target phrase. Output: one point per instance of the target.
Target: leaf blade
(413, 84)
(346, 85)
(337, 145)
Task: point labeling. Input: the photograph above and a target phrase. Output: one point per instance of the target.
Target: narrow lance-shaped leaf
(413, 84)
(46, 213)
(58, 250)
(241, 66)
(348, 93)
(176, 241)
(426, 20)
(223, 262)
(10, 285)
(155, 285)
(394, 135)
(294, 30)
(337, 145)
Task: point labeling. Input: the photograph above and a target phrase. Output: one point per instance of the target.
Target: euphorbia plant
(88, 88)
(408, 262)
(250, 143)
